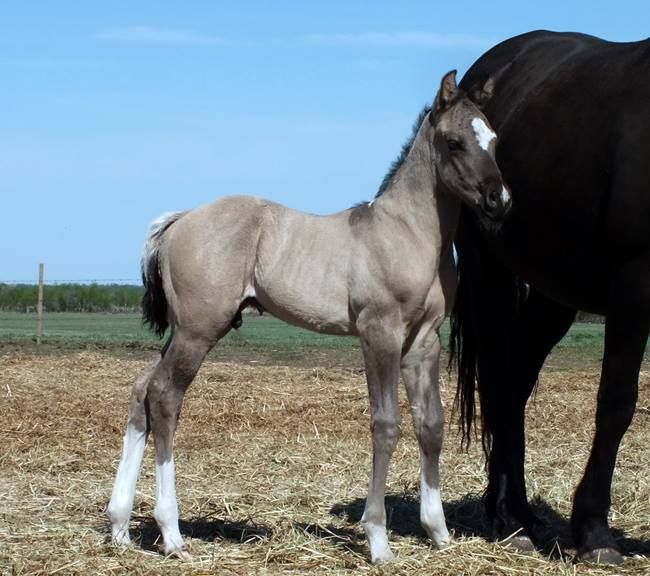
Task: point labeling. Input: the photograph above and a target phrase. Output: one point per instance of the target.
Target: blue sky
(114, 112)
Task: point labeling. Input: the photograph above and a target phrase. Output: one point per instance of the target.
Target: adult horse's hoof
(601, 556)
(520, 543)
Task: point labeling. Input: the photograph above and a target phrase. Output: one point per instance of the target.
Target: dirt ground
(272, 466)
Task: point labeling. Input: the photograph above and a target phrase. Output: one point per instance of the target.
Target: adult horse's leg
(420, 372)
(165, 396)
(121, 504)
(509, 340)
(538, 325)
(487, 295)
(626, 336)
(381, 348)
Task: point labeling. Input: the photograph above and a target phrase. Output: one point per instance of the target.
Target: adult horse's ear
(481, 94)
(448, 89)
(482, 91)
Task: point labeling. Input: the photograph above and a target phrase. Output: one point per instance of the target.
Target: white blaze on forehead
(484, 135)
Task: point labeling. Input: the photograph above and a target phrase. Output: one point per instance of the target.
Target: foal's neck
(413, 195)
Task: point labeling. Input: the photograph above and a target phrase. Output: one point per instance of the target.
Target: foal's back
(295, 265)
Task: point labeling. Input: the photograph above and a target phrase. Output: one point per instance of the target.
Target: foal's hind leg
(121, 504)
(165, 398)
(381, 351)
(420, 372)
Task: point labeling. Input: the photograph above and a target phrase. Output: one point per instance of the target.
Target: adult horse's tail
(154, 302)
(485, 309)
(484, 320)
(464, 354)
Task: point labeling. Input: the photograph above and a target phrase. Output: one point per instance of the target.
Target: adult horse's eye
(454, 144)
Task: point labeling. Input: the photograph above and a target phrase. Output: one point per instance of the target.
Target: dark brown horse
(573, 117)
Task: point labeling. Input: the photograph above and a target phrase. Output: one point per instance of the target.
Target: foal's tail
(154, 302)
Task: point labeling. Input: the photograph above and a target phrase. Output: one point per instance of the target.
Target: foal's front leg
(381, 352)
(420, 372)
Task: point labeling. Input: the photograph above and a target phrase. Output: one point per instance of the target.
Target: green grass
(261, 339)
(74, 327)
(264, 340)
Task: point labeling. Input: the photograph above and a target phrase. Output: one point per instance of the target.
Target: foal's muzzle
(496, 202)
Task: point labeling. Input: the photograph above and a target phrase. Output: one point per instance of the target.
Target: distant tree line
(72, 297)
(100, 298)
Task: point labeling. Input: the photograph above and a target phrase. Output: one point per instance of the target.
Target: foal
(382, 271)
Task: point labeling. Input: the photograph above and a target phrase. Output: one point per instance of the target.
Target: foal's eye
(453, 144)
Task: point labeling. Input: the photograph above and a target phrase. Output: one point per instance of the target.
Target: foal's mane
(360, 210)
(406, 148)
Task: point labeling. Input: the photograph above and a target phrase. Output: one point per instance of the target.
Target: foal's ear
(481, 94)
(448, 89)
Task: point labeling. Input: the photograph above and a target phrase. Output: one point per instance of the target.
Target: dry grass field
(272, 467)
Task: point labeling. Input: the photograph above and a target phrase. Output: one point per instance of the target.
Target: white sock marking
(432, 515)
(166, 510)
(121, 504)
(377, 537)
(484, 134)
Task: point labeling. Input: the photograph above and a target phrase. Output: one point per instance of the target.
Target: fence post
(39, 304)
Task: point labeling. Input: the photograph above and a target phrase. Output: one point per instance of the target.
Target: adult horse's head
(464, 147)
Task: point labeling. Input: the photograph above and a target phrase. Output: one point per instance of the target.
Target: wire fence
(83, 281)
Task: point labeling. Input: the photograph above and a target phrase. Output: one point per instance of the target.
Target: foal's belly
(312, 311)
(309, 293)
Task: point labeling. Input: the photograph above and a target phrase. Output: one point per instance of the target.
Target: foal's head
(464, 147)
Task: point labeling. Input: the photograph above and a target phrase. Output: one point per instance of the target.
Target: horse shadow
(465, 518)
(145, 531)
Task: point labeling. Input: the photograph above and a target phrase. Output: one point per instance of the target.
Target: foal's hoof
(184, 555)
(439, 537)
(442, 543)
(121, 539)
(601, 556)
(382, 557)
(120, 536)
(181, 553)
